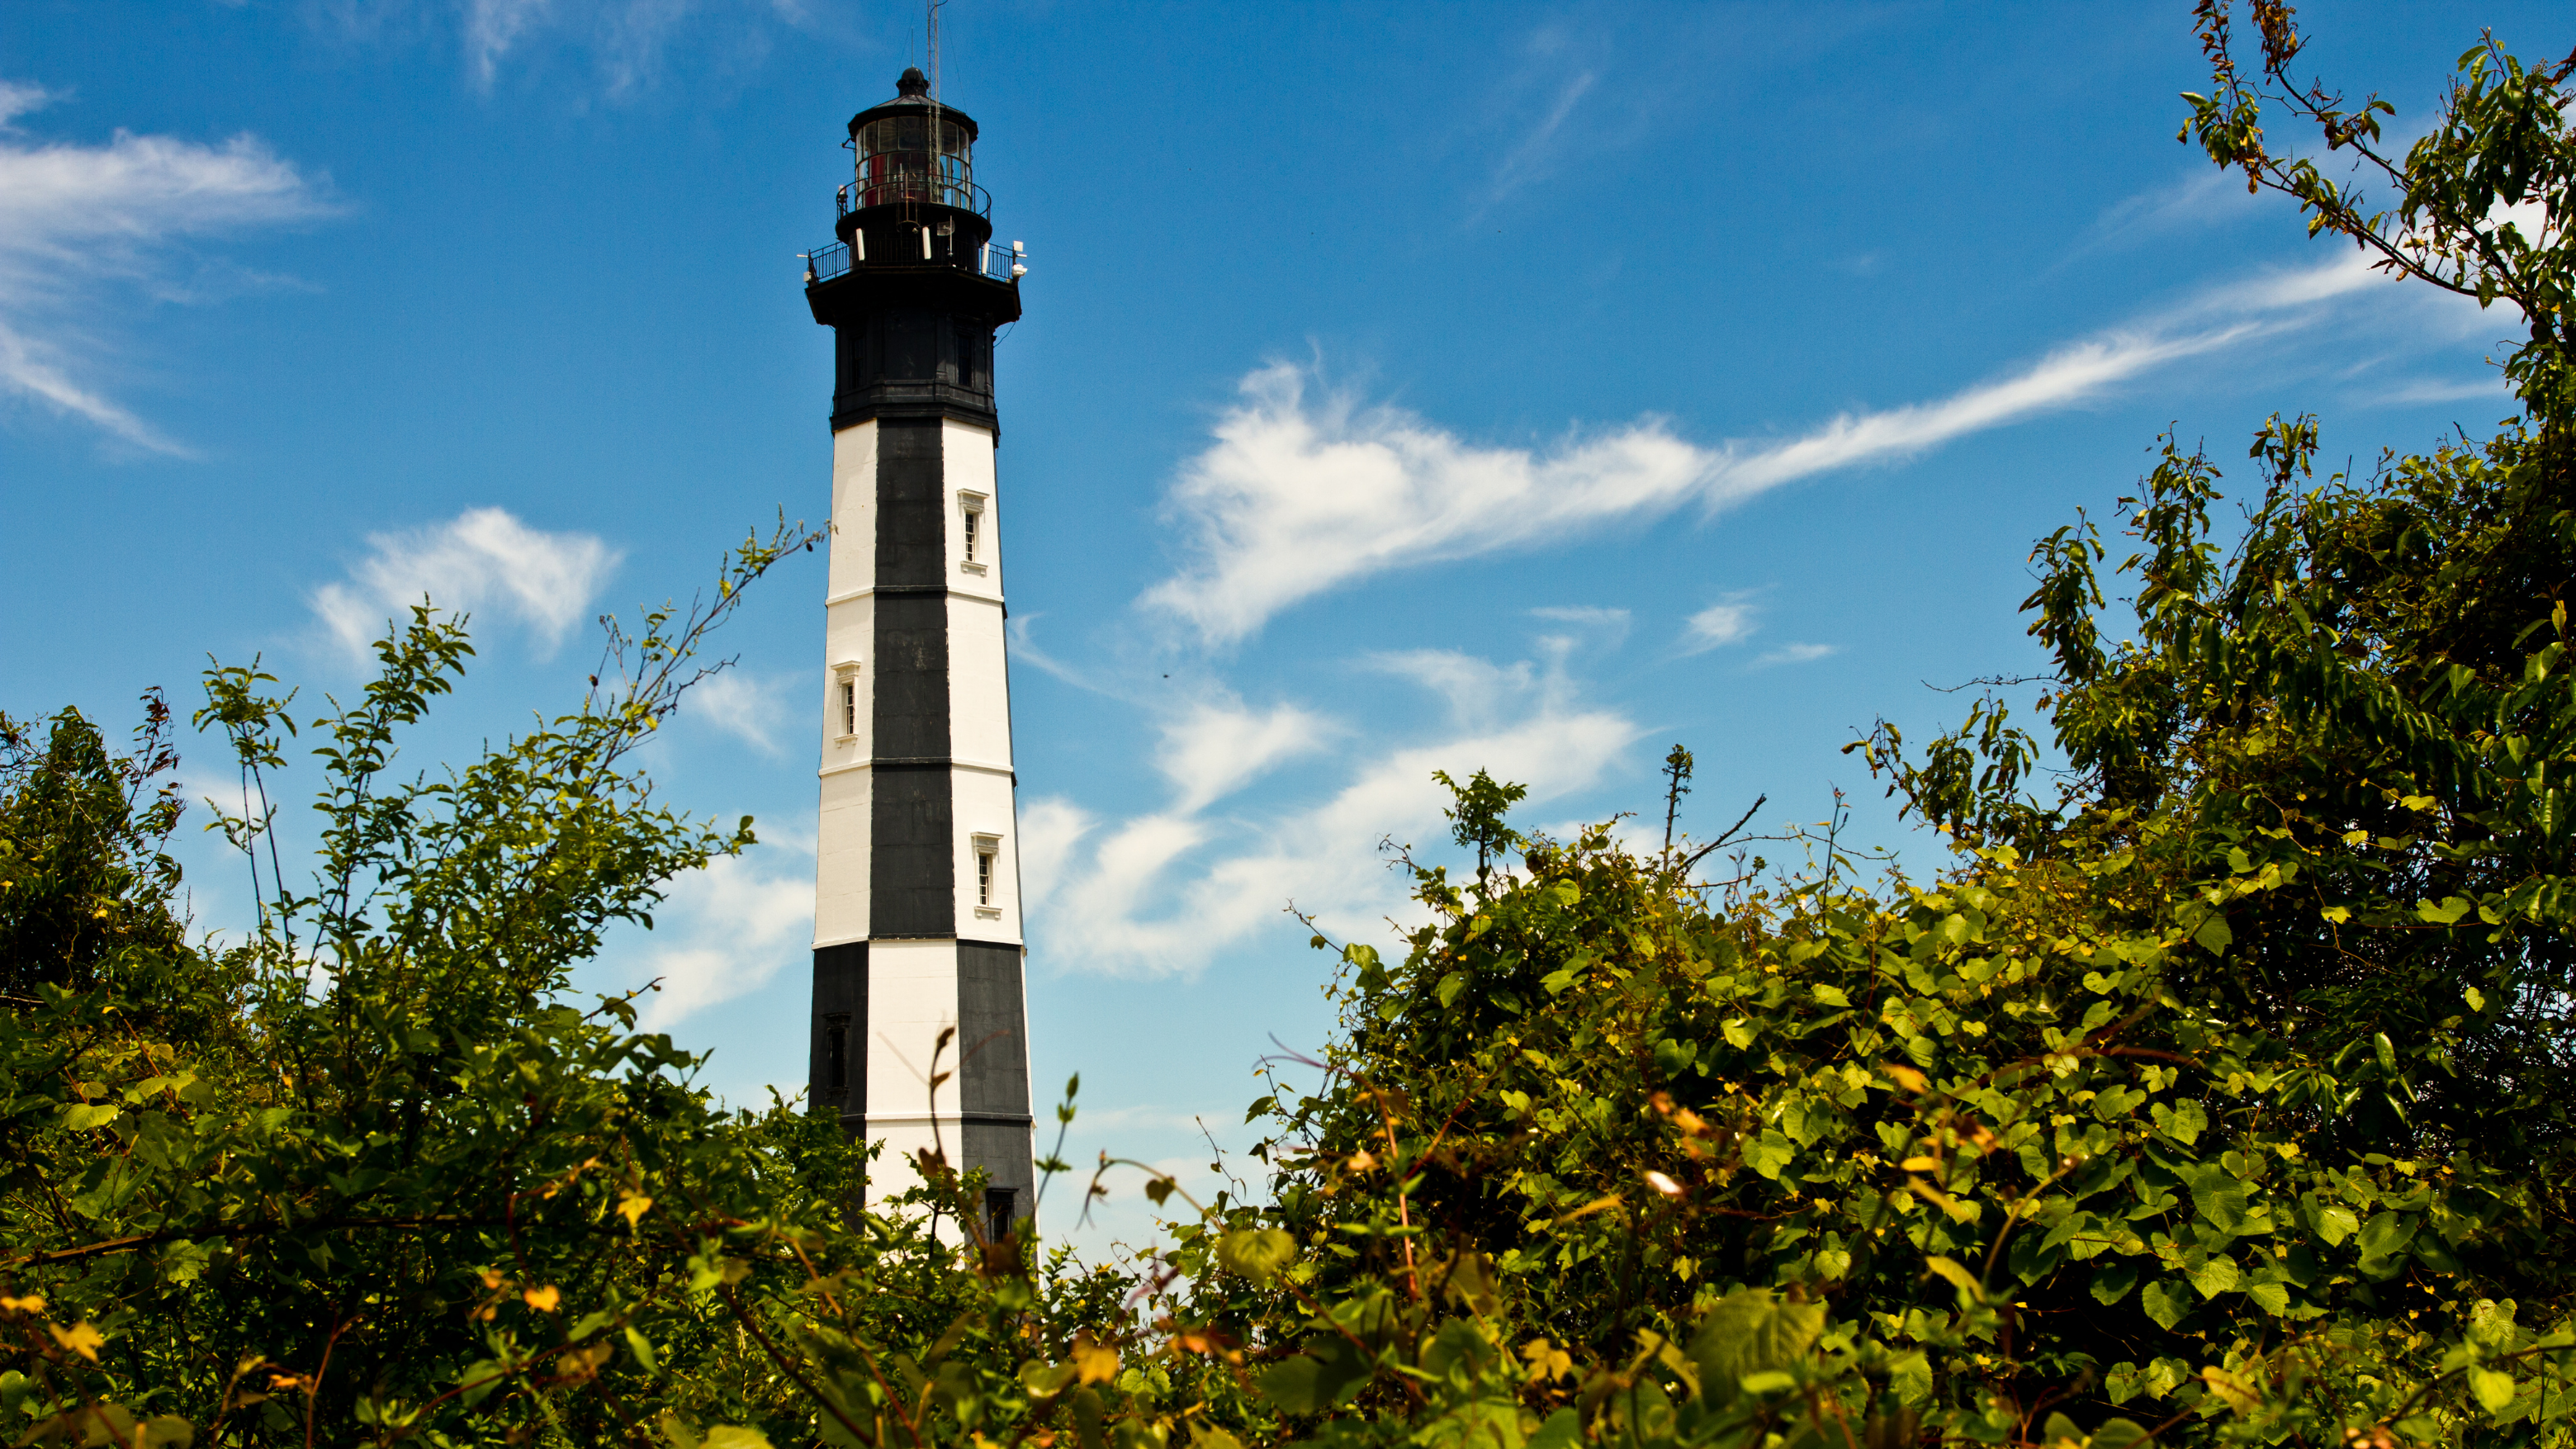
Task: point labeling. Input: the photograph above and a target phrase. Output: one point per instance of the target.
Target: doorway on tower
(1001, 1210)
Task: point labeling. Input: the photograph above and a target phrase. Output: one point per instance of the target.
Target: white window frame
(845, 699)
(974, 532)
(988, 875)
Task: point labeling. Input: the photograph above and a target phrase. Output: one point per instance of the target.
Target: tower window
(845, 698)
(1001, 1210)
(988, 853)
(970, 516)
(836, 1051)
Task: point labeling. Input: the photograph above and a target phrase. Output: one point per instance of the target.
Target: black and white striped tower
(916, 899)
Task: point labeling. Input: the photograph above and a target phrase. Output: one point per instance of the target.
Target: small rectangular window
(836, 1054)
(970, 520)
(988, 876)
(1001, 1212)
(849, 706)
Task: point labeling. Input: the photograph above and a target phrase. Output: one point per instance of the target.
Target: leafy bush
(2219, 1098)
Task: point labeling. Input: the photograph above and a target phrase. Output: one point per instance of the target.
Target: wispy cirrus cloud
(1534, 154)
(1728, 621)
(1172, 890)
(1796, 654)
(628, 44)
(484, 560)
(751, 708)
(1306, 489)
(731, 925)
(79, 222)
(1215, 747)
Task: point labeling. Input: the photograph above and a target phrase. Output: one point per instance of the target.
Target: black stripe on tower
(995, 1130)
(836, 1074)
(912, 860)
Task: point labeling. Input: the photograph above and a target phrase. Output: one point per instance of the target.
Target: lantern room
(914, 150)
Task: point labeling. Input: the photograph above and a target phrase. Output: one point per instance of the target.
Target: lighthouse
(917, 928)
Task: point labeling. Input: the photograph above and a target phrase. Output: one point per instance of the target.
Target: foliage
(2218, 1098)
(2221, 1096)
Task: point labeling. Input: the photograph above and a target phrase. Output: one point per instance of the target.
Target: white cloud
(2203, 196)
(1475, 689)
(1170, 891)
(628, 41)
(730, 926)
(1587, 615)
(1534, 155)
(1796, 654)
(75, 219)
(1298, 495)
(1213, 749)
(1293, 500)
(483, 559)
(740, 705)
(17, 98)
(2434, 390)
(1725, 622)
(1050, 827)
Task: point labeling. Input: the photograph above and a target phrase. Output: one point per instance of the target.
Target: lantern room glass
(896, 163)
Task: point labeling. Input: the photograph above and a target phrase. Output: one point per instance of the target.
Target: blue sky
(1516, 386)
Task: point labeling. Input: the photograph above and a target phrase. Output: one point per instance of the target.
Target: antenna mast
(938, 143)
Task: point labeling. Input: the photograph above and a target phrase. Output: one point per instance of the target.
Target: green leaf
(2220, 1200)
(2274, 1298)
(81, 1118)
(642, 1348)
(1563, 1430)
(1046, 1380)
(1770, 1152)
(2334, 1224)
(2382, 1239)
(2183, 1121)
(2449, 911)
(2494, 1388)
(2213, 935)
(1958, 1277)
(736, 1436)
(2113, 1280)
(1259, 1254)
(1909, 1377)
(1327, 1372)
(1750, 1332)
(2214, 1277)
(479, 1380)
(2118, 1434)
(2166, 1301)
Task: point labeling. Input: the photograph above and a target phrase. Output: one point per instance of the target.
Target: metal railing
(1000, 263)
(824, 263)
(913, 186)
(993, 261)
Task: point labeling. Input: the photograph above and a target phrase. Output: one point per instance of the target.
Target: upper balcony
(989, 260)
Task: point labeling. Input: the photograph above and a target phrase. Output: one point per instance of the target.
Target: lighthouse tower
(916, 895)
